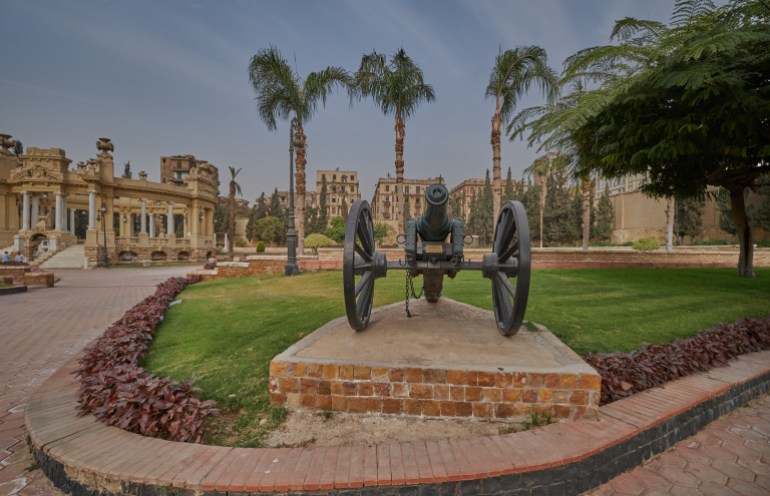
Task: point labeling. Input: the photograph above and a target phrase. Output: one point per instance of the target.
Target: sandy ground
(304, 429)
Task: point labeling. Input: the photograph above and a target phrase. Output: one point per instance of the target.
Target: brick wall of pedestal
(431, 392)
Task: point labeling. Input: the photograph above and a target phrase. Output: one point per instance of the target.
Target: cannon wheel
(359, 265)
(511, 242)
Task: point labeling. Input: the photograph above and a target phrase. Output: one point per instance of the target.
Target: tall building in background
(384, 199)
(176, 169)
(341, 191)
(463, 194)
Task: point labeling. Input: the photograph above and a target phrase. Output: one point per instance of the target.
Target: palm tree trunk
(587, 189)
(743, 230)
(497, 124)
(400, 133)
(231, 226)
(299, 218)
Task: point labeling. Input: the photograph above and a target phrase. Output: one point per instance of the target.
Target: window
(387, 187)
(334, 177)
(406, 190)
(418, 190)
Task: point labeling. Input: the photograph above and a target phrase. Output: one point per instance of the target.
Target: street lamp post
(291, 233)
(103, 215)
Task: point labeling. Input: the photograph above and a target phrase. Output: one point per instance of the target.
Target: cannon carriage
(434, 248)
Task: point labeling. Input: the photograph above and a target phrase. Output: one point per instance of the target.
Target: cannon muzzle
(434, 223)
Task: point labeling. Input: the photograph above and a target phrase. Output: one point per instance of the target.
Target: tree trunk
(743, 230)
(497, 124)
(587, 188)
(399, 204)
(231, 229)
(542, 181)
(299, 177)
(670, 209)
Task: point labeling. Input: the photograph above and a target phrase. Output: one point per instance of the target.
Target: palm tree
(514, 71)
(234, 187)
(398, 88)
(282, 93)
(541, 168)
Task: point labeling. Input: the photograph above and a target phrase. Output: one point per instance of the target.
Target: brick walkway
(42, 329)
(730, 457)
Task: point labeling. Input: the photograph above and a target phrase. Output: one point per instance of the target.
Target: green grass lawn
(225, 332)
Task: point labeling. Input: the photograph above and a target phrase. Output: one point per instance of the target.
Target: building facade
(131, 219)
(463, 195)
(342, 191)
(384, 199)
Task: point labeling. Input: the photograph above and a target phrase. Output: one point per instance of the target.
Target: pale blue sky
(167, 77)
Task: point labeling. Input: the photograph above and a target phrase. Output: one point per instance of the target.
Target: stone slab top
(446, 334)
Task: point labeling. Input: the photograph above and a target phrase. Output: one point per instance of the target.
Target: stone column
(92, 209)
(25, 213)
(170, 221)
(143, 219)
(72, 221)
(152, 225)
(57, 213)
(35, 209)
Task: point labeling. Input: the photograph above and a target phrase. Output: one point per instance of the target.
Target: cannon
(433, 248)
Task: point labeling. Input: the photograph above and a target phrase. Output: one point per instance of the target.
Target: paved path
(42, 329)
(39, 331)
(729, 457)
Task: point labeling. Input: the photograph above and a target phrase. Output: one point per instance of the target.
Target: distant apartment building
(341, 190)
(176, 169)
(384, 199)
(463, 194)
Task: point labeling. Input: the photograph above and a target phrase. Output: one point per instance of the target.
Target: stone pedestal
(448, 360)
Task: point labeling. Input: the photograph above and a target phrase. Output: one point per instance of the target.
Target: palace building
(47, 206)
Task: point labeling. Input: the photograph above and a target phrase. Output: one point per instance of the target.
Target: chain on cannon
(433, 248)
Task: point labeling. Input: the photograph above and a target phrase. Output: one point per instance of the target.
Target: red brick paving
(39, 331)
(48, 327)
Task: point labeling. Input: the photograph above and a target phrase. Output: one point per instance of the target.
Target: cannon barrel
(434, 223)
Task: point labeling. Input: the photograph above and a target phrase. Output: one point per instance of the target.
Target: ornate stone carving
(104, 145)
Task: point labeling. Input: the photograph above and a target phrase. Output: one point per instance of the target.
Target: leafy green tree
(251, 227)
(323, 214)
(261, 206)
(234, 188)
(282, 93)
(398, 88)
(456, 209)
(531, 201)
(407, 212)
(480, 217)
(557, 208)
(381, 231)
(271, 229)
(760, 212)
(336, 229)
(686, 104)
(509, 191)
(221, 217)
(315, 241)
(689, 217)
(510, 78)
(275, 209)
(605, 218)
(127, 170)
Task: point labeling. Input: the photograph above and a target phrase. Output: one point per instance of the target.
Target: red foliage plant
(117, 391)
(624, 374)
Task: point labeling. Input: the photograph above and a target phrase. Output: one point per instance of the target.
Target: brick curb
(82, 456)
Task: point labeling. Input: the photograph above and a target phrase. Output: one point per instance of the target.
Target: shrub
(261, 247)
(317, 240)
(624, 374)
(118, 392)
(646, 244)
(240, 243)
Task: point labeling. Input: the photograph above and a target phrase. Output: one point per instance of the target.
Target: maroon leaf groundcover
(624, 374)
(117, 391)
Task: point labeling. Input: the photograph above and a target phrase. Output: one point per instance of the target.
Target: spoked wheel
(510, 259)
(361, 265)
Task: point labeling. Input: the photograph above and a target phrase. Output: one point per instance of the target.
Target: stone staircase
(68, 258)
